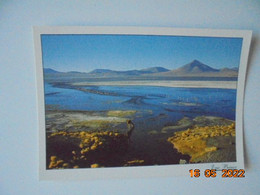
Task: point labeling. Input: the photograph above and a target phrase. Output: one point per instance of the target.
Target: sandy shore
(186, 84)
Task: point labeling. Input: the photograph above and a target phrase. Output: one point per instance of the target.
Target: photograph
(127, 100)
(115, 97)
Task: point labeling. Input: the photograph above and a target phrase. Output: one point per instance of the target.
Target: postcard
(126, 102)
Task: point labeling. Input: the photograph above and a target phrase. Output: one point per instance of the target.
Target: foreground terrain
(80, 139)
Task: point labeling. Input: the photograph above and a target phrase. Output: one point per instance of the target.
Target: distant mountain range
(107, 72)
(49, 70)
(192, 69)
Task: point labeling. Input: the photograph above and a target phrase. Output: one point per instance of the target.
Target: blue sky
(127, 52)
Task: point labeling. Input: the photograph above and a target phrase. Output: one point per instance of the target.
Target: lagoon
(157, 113)
(159, 105)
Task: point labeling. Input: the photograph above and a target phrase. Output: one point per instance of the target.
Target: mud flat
(65, 120)
(84, 139)
(206, 143)
(187, 84)
(200, 121)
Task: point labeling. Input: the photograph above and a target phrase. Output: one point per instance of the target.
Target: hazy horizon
(85, 53)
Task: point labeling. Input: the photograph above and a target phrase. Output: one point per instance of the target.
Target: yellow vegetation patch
(193, 141)
(55, 163)
(95, 165)
(91, 123)
(121, 113)
(88, 142)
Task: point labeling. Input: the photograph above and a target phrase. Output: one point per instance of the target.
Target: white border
(144, 171)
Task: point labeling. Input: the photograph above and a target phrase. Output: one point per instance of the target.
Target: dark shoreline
(63, 78)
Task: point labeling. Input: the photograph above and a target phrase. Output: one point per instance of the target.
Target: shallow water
(158, 105)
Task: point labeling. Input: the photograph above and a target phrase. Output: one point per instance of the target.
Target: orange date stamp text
(226, 173)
